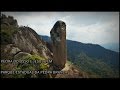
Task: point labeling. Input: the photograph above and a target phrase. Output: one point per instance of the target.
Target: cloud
(98, 33)
(87, 27)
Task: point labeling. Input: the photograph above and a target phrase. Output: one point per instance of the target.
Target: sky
(87, 27)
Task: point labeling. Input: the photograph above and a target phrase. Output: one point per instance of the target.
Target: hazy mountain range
(112, 46)
(92, 58)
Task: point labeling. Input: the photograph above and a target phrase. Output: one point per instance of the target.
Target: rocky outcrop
(9, 51)
(20, 55)
(71, 71)
(29, 41)
(58, 36)
(23, 38)
(21, 43)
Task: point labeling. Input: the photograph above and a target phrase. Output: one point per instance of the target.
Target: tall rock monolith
(58, 37)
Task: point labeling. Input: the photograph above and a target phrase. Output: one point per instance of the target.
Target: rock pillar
(58, 37)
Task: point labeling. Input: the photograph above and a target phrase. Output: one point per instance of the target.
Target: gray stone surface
(58, 36)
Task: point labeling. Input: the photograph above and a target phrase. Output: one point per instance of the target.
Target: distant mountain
(112, 46)
(45, 38)
(94, 51)
(95, 57)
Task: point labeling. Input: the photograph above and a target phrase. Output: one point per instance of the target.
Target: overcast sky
(86, 27)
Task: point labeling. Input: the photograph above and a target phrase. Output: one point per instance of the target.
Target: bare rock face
(27, 40)
(58, 36)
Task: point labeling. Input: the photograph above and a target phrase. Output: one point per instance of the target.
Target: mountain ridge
(47, 38)
(94, 53)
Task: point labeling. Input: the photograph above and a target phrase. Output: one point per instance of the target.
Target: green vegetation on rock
(8, 28)
(30, 67)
